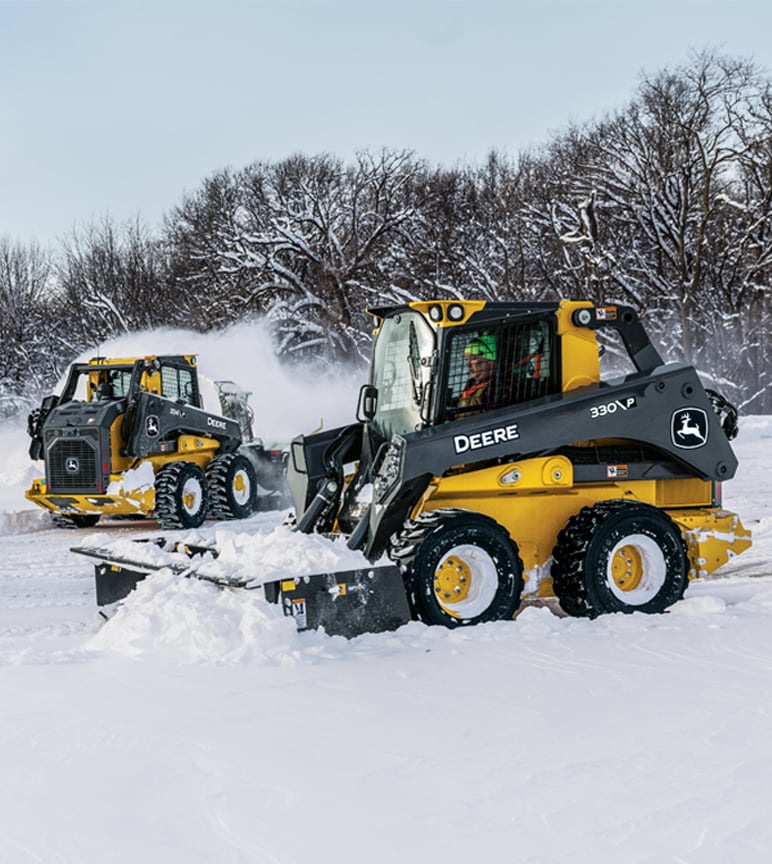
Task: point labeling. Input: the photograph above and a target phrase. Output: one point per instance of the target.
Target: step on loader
(491, 464)
(129, 438)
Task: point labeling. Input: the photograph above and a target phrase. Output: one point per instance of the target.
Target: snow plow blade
(344, 603)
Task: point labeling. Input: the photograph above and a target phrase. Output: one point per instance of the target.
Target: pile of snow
(17, 471)
(197, 622)
(204, 622)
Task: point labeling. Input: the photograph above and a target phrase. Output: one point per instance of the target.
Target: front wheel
(466, 571)
(619, 556)
(181, 498)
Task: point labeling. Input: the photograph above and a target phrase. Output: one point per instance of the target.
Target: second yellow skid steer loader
(130, 437)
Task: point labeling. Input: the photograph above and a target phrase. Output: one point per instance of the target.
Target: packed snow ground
(198, 726)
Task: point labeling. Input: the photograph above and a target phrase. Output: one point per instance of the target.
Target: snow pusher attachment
(494, 463)
(345, 603)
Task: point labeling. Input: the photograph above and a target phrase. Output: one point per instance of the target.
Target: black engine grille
(72, 466)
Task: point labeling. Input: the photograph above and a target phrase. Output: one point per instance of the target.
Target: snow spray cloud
(288, 399)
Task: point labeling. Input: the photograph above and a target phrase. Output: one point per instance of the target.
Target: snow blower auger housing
(492, 463)
(129, 437)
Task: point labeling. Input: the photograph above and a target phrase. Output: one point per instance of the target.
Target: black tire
(232, 481)
(619, 556)
(465, 571)
(181, 497)
(74, 520)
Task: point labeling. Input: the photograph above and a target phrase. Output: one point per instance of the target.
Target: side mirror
(368, 403)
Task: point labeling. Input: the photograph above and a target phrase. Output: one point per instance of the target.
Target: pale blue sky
(119, 106)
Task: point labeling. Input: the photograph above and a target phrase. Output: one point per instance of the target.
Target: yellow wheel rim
(240, 487)
(627, 568)
(191, 495)
(452, 581)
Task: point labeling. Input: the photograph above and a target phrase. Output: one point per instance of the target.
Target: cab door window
(492, 367)
(178, 384)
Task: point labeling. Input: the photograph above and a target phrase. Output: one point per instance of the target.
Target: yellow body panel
(580, 360)
(119, 462)
(123, 502)
(137, 502)
(533, 499)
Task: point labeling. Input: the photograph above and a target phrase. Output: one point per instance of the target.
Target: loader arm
(625, 321)
(156, 419)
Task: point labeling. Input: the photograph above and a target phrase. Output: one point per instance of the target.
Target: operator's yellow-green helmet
(484, 346)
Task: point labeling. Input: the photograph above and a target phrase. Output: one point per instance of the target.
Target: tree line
(665, 205)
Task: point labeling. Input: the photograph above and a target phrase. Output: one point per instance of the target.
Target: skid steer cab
(494, 464)
(130, 438)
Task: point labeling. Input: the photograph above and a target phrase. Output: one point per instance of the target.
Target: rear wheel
(464, 572)
(74, 520)
(181, 498)
(232, 486)
(619, 556)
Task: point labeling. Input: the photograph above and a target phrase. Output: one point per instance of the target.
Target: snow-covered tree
(306, 241)
(27, 327)
(111, 281)
(666, 205)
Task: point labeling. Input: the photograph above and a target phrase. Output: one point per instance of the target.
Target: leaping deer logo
(687, 431)
(690, 428)
(151, 426)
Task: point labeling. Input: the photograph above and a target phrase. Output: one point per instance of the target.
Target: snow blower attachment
(130, 437)
(494, 465)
